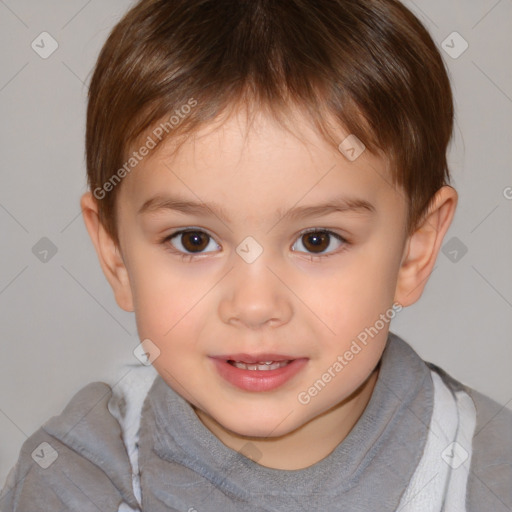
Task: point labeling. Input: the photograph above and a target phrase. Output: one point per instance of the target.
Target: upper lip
(255, 358)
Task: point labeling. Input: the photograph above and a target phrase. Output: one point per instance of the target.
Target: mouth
(258, 372)
(262, 365)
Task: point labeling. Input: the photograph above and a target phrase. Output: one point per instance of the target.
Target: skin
(284, 302)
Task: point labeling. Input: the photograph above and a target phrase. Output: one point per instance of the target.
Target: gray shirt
(184, 467)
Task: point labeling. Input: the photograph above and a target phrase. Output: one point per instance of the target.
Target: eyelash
(313, 257)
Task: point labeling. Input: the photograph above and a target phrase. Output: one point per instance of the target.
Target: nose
(254, 297)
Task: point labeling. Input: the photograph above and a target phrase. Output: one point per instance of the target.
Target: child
(269, 188)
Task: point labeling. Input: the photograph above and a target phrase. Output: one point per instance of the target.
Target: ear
(108, 252)
(422, 247)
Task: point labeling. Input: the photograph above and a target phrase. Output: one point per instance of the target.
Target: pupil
(194, 240)
(317, 240)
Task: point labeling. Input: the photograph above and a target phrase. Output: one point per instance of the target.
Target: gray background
(60, 327)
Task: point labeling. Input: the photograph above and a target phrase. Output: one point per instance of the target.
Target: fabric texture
(419, 422)
(433, 485)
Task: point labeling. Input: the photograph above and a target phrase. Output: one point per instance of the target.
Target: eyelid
(321, 255)
(190, 229)
(336, 235)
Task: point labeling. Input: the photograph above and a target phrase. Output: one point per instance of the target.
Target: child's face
(200, 309)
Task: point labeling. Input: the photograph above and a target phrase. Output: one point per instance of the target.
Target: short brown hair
(369, 63)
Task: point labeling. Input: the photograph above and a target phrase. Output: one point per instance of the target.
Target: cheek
(354, 296)
(166, 301)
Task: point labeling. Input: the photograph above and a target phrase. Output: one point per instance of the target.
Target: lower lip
(258, 380)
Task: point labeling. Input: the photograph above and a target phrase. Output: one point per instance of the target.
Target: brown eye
(191, 241)
(318, 242)
(194, 241)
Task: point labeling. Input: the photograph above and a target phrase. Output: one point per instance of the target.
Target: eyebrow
(338, 204)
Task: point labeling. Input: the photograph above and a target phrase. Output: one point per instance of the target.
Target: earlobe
(108, 252)
(422, 247)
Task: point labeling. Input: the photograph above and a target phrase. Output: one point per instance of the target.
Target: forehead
(257, 168)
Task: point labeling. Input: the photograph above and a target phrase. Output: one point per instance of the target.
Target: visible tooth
(261, 366)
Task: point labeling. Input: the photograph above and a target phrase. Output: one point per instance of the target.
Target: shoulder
(490, 475)
(490, 480)
(76, 460)
(494, 420)
(489, 483)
